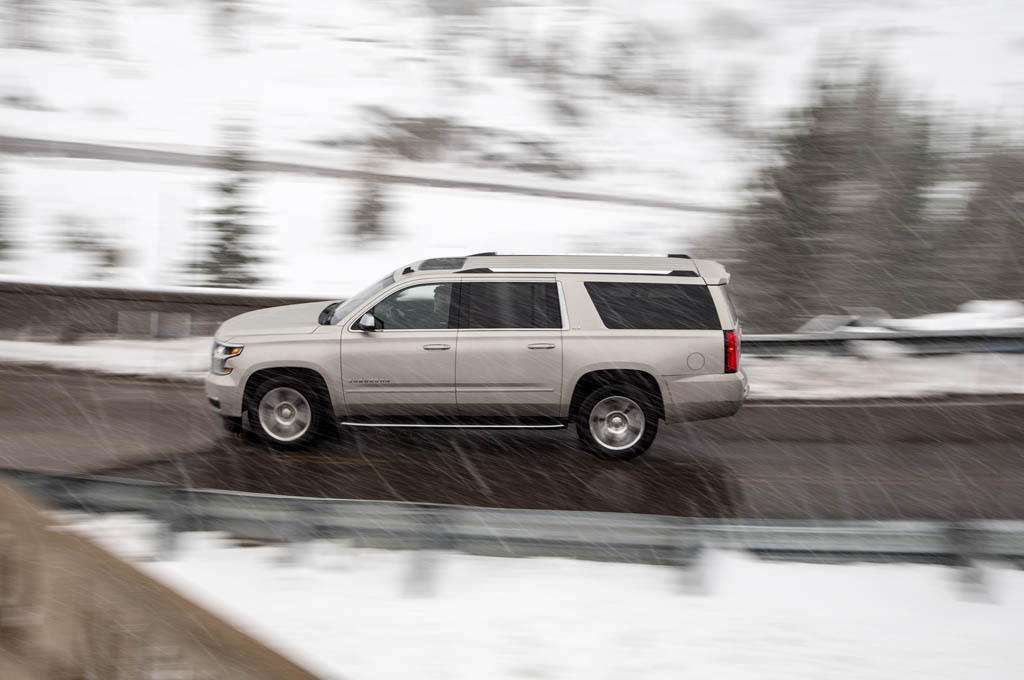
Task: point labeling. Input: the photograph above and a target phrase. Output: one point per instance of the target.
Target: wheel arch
(309, 376)
(642, 379)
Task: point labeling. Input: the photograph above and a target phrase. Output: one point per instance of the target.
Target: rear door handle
(541, 345)
(437, 346)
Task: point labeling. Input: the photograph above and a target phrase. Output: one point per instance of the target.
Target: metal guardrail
(1002, 340)
(520, 533)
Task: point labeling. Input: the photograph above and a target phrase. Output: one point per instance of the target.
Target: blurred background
(836, 154)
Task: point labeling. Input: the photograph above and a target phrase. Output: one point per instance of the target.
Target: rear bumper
(224, 394)
(702, 397)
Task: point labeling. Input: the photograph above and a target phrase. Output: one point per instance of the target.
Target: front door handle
(541, 345)
(436, 346)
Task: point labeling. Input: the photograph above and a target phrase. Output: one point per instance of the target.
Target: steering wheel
(394, 316)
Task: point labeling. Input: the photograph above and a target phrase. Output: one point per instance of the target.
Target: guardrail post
(687, 554)
(434, 535)
(174, 515)
(967, 543)
(299, 530)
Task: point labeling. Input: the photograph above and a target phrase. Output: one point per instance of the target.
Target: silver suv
(612, 344)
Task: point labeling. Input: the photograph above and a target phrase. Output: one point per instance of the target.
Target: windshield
(346, 307)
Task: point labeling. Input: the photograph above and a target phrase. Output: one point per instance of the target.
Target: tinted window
(416, 308)
(654, 306)
(513, 304)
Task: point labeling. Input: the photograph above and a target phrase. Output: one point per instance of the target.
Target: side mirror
(367, 323)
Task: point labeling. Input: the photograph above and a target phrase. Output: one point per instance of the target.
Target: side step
(540, 424)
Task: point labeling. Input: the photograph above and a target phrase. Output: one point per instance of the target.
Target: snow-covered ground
(346, 613)
(797, 377)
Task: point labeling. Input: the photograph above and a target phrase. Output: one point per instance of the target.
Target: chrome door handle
(541, 345)
(437, 346)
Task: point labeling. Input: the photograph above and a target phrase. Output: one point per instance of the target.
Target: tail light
(732, 352)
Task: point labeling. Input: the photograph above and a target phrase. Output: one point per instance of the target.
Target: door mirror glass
(367, 323)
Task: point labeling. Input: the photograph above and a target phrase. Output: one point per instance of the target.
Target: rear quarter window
(662, 306)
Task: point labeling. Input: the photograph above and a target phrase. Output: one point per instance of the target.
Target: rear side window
(627, 306)
(732, 308)
(510, 304)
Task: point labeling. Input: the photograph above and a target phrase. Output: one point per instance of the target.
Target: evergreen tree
(24, 19)
(989, 243)
(838, 221)
(368, 215)
(5, 214)
(228, 259)
(81, 235)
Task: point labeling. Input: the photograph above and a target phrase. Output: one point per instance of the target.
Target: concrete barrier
(71, 610)
(67, 312)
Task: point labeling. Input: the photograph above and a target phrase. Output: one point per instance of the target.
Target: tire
(232, 425)
(616, 422)
(288, 413)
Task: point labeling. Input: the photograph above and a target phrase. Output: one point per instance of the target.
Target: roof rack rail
(623, 272)
(680, 255)
(487, 254)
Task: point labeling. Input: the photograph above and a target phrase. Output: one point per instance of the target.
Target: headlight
(223, 351)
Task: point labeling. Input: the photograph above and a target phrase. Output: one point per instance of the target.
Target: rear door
(509, 358)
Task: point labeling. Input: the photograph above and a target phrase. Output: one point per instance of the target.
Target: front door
(509, 361)
(407, 366)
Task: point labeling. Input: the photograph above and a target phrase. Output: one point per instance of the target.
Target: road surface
(943, 459)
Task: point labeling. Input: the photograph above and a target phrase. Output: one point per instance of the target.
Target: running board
(461, 426)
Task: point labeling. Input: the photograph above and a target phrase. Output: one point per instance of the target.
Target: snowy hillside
(649, 97)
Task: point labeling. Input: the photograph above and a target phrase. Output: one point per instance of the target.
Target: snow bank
(973, 315)
(187, 358)
(345, 613)
(884, 374)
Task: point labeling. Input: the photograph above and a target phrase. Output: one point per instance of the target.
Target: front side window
(630, 306)
(510, 304)
(424, 307)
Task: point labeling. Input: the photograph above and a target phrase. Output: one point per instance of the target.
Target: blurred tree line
(227, 255)
(873, 204)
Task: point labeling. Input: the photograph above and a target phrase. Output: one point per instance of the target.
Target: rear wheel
(287, 413)
(616, 422)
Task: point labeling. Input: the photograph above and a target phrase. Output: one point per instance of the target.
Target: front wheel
(287, 413)
(616, 422)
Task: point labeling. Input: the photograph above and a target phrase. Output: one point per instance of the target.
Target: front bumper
(224, 394)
